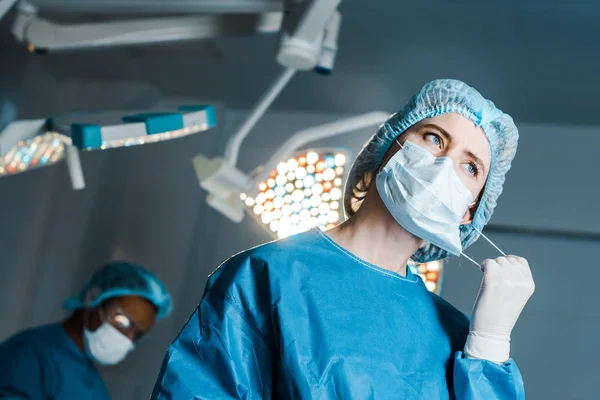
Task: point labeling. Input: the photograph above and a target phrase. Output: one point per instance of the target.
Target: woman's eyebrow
(443, 132)
(476, 160)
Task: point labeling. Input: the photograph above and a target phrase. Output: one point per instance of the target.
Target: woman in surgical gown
(337, 314)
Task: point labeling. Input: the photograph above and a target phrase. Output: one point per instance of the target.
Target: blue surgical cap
(436, 98)
(122, 279)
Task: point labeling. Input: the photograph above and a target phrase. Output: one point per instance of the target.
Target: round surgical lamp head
(39, 151)
(108, 129)
(46, 143)
(302, 193)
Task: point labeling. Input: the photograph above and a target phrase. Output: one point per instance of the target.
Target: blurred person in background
(115, 309)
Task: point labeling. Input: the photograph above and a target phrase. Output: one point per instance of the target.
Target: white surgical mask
(106, 345)
(425, 196)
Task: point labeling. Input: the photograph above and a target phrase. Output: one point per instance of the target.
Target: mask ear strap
(470, 259)
(490, 242)
(401, 147)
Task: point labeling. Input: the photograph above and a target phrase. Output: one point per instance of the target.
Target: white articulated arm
(232, 148)
(309, 38)
(44, 35)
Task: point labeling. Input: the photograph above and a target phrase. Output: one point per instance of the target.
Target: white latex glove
(506, 286)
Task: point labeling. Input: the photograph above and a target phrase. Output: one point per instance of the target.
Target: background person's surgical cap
(122, 279)
(436, 98)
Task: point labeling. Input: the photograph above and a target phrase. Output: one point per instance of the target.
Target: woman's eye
(433, 138)
(471, 169)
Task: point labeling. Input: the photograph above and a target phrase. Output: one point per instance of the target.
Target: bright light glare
(38, 151)
(302, 193)
(431, 273)
(312, 158)
(340, 159)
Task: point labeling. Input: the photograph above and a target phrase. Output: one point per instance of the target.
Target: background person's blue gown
(304, 319)
(44, 363)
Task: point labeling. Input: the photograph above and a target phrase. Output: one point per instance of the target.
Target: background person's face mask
(425, 196)
(106, 345)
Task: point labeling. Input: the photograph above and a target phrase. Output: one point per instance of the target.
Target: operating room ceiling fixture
(30, 144)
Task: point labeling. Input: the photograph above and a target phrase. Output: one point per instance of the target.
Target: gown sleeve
(481, 379)
(21, 372)
(221, 353)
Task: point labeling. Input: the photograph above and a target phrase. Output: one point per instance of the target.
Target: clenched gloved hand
(506, 287)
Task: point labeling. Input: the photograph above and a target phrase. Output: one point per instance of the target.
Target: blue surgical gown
(302, 318)
(44, 363)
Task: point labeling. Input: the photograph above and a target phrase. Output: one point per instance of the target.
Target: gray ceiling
(538, 60)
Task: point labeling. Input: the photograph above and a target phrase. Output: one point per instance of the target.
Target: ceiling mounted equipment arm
(41, 35)
(308, 40)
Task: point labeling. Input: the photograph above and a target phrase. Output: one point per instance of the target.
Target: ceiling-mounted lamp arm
(232, 148)
(43, 35)
(319, 132)
(309, 35)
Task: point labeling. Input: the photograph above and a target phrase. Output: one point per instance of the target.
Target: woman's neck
(373, 235)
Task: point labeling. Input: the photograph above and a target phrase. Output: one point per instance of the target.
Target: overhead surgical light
(432, 274)
(303, 192)
(225, 183)
(100, 131)
(39, 151)
(25, 145)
